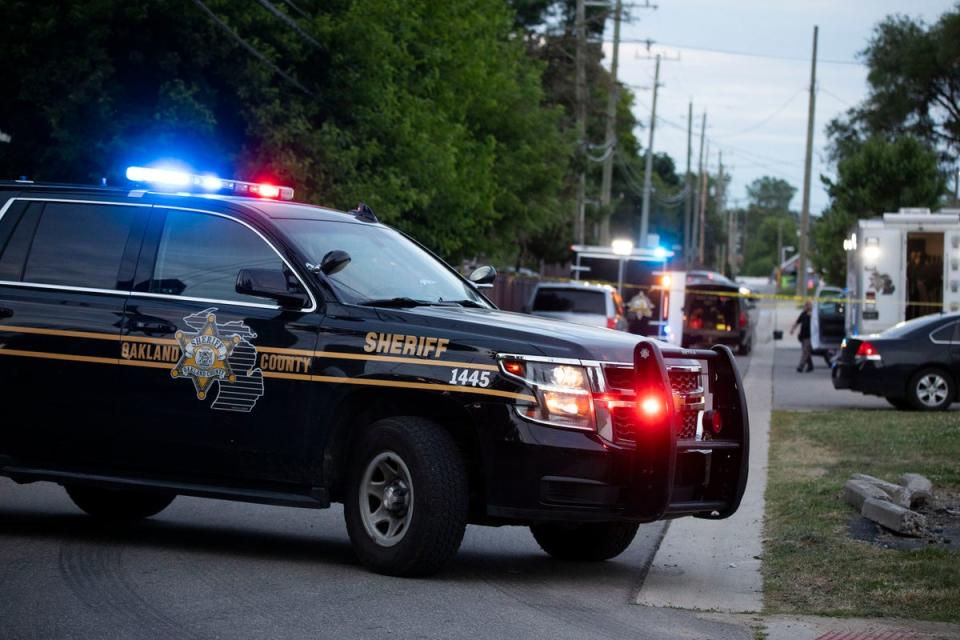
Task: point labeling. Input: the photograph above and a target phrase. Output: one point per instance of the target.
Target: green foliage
(876, 177)
(431, 112)
(767, 218)
(914, 81)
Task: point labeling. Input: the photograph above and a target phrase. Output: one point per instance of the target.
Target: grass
(811, 565)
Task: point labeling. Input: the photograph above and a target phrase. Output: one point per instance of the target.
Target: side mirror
(334, 261)
(269, 283)
(483, 277)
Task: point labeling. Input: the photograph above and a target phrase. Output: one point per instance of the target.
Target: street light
(621, 247)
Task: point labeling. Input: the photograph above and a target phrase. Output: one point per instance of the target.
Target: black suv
(157, 344)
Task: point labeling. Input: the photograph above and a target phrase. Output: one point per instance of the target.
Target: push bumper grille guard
(703, 478)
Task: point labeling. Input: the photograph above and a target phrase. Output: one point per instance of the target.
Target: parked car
(714, 312)
(827, 328)
(914, 364)
(592, 305)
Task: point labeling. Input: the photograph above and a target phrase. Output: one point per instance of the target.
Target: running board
(317, 498)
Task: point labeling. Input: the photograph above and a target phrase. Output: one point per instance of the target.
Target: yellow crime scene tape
(783, 297)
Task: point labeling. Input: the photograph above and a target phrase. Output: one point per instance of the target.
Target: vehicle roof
(712, 278)
(575, 284)
(273, 209)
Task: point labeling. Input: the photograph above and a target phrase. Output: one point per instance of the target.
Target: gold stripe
(260, 349)
(163, 341)
(61, 333)
(425, 385)
(148, 363)
(401, 360)
(57, 356)
(287, 376)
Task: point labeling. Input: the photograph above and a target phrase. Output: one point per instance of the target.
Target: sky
(756, 104)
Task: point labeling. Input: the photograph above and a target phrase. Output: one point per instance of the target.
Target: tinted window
(79, 245)
(571, 300)
(946, 333)
(200, 255)
(18, 232)
(919, 325)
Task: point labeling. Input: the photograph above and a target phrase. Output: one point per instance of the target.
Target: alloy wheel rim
(386, 499)
(932, 390)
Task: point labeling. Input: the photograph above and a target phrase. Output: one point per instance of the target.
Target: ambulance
(901, 266)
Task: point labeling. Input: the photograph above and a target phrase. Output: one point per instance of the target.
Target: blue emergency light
(173, 180)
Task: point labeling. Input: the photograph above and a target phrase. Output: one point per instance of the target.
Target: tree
(914, 81)
(433, 113)
(767, 214)
(879, 176)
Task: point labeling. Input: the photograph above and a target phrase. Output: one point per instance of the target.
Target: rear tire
(584, 542)
(406, 500)
(119, 505)
(744, 348)
(931, 389)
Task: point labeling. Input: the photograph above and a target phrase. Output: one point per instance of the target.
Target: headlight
(564, 397)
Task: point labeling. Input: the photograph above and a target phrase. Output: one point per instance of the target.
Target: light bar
(181, 180)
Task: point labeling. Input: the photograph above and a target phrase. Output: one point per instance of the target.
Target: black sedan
(914, 365)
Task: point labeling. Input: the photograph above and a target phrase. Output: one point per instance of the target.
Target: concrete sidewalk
(714, 565)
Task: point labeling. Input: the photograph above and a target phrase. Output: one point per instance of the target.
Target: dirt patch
(943, 527)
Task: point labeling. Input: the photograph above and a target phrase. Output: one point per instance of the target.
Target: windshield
(384, 264)
(570, 300)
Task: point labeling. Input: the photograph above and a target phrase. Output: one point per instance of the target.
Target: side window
(200, 256)
(946, 333)
(16, 234)
(79, 245)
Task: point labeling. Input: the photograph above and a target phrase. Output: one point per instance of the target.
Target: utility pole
(695, 221)
(648, 171)
(610, 141)
(704, 187)
(581, 115)
(688, 185)
(805, 209)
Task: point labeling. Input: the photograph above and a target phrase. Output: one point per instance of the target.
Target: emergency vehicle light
(170, 178)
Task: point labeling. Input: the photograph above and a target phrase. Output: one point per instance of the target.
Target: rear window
(571, 300)
(79, 245)
(904, 329)
(719, 313)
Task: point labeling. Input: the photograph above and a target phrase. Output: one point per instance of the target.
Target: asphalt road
(213, 569)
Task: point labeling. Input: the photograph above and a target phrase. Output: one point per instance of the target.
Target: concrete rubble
(888, 504)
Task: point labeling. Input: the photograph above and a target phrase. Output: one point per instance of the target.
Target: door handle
(6, 313)
(153, 327)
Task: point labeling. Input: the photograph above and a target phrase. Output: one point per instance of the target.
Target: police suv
(212, 338)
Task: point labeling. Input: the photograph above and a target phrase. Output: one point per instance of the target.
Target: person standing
(803, 323)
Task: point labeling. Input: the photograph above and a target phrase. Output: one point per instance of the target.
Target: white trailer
(902, 266)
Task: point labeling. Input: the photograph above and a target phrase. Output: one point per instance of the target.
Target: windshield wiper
(396, 302)
(404, 301)
(473, 304)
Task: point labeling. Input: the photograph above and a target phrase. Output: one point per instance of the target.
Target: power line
(290, 4)
(748, 54)
(269, 6)
(250, 48)
(835, 96)
(765, 120)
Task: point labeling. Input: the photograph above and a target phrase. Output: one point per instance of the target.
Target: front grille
(685, 381)
(687, 387)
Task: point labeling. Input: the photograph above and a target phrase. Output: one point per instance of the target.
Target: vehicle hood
(517, 333)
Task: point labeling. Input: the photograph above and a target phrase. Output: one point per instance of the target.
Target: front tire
(931, 390)
(119, 505)
(406, 500)
(585, 542)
